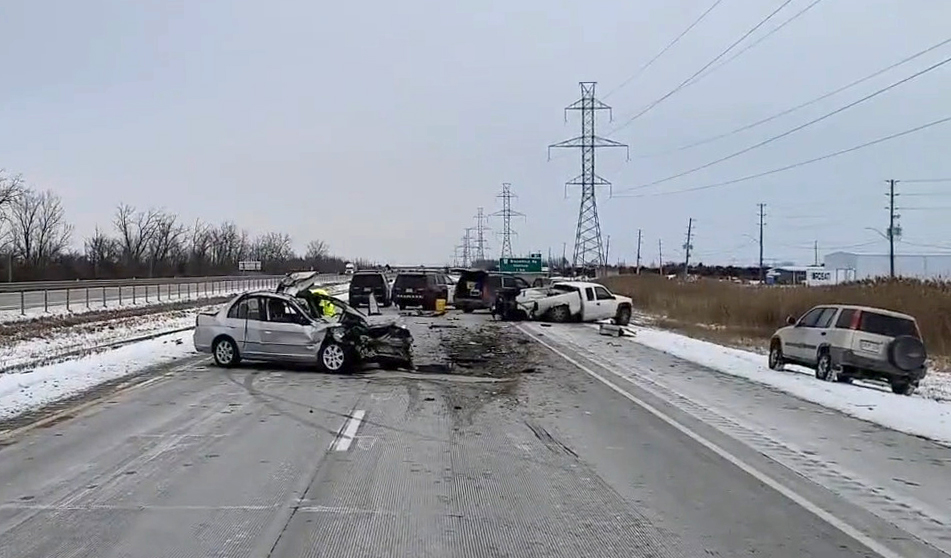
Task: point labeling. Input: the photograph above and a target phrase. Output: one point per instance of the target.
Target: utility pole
(688, 247)
(638, 251)
(607, 250)
(506, 214)
(660, 255)
(893, 231)
(564, 256)
(588, 246)
(480, 236)
(815, 248)
(762, 215)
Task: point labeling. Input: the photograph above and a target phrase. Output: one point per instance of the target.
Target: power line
(810, 102)
(926, 180)
(794, 130)
(698, 72)
(802, 163)
(664, 50)
(772, 31)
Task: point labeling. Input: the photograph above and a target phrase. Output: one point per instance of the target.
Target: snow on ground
(923, 414)
(97, 334)
(24, 391)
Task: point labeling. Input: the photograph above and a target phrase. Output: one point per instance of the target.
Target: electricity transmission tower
(506, 214)
(467, 248)
(481, 229)
(589, 251)
(762, 216)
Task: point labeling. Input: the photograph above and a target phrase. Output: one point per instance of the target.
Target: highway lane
(514, 452)
(98, 298)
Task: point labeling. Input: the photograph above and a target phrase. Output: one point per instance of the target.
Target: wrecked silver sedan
(281, 326)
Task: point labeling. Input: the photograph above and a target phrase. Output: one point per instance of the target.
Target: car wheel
(623, 316)
(560, 314)
(333, 357)
(467, 310)
(776, 356)
(225, 352)
(824, 369)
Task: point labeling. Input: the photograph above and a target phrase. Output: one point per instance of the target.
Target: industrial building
(868, 266)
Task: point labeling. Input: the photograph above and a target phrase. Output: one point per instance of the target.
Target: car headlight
(337, 334)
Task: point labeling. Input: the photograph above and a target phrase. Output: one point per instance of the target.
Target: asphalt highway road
(497, 446)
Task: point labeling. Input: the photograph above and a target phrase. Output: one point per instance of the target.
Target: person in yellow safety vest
(327, 308)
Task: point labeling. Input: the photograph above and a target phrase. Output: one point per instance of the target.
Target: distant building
(868, 266)
(786, 275)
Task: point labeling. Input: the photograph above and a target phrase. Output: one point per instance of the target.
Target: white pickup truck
(575, 301)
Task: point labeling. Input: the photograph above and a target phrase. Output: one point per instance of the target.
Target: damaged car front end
(354, 337)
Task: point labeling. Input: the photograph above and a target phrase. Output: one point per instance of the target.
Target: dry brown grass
(751, 311)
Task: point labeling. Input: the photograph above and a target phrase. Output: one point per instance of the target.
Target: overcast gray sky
(380, 127)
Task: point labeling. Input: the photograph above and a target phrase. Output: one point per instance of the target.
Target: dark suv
(365, 282)
(477, 288)
(420, 288)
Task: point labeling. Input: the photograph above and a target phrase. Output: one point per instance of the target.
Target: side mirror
(790, 320)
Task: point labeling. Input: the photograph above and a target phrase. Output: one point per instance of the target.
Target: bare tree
(229, 245)
(38, 228)
(10, 189)
(101, 250)
(200, 246)
(317, 250)
(135, 229)
(272, 247)
(165, 242)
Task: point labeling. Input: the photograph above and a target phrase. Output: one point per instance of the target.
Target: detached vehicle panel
(289, 325)
(843, 342)
(575, 301)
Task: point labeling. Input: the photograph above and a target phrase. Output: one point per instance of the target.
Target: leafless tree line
(36, 243)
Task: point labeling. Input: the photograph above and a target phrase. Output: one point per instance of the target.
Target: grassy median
(749, 314)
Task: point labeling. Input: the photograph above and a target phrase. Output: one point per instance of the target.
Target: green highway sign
(521, 265)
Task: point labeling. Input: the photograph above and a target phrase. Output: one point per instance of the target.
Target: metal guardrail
(32, 286)
(100, 293)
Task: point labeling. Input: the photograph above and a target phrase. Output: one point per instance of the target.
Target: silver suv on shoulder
(843, 342)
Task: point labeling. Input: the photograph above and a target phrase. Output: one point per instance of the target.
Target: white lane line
(802, 501)
(343, 441)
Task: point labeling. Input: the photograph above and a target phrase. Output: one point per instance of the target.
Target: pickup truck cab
(575, 301)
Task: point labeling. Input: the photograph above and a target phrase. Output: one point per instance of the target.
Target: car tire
(903, 387)
(825, 370)
(560, 314)
(334, 357)
(623, 316)
(775, 360)
(467, 310)
(225, 352)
